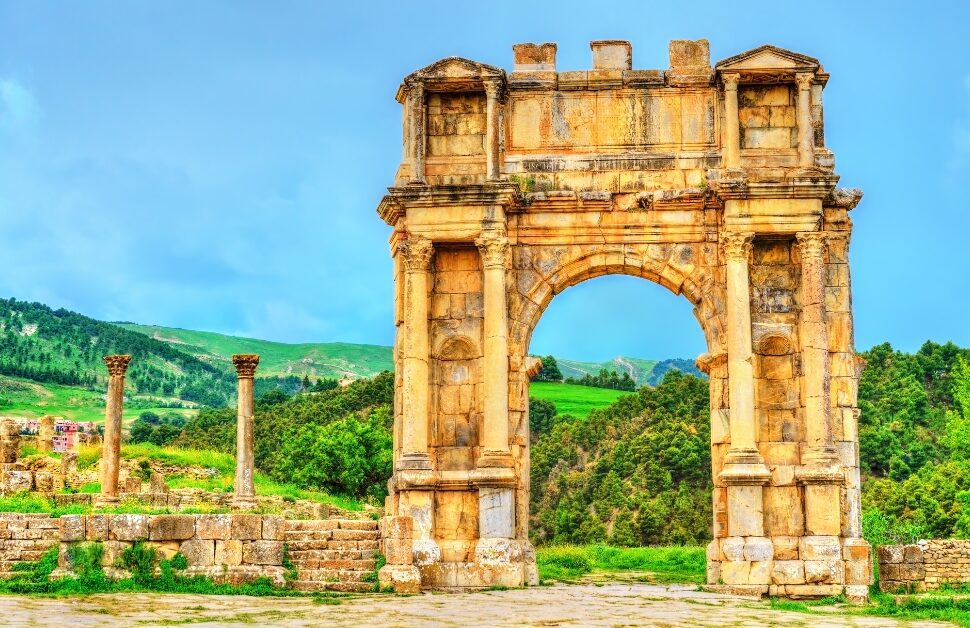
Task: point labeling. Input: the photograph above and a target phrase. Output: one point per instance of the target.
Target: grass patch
(924, 607)
(663, 564)
(573, 399)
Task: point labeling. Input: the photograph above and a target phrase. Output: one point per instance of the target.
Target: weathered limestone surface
(110, 458)
(244, 488)
(923, 566)
(713, 181)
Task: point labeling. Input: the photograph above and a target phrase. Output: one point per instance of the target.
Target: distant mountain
(323, 359)
(643, 372)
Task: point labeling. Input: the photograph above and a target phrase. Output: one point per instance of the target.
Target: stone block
(812, 591)
(612, 55)
(824, 571)
(534, 57)
(274, 528)
(912, 554)
(735, 572)
(214, 526)
(745, 511)
(44, 481)
(401, 578)
(823, 510)
(72, 527)
(127, 527)
(783, 511)
(171, 527)
(19, 481)
(398, 551)
(263, 553)
(858, 572)
(758, 549)
(199, 552)
(785, 547)
(732, 548)
(788, 572)
(166, 549)
(890, 553)
(496, 515)
(96, 527)
(228, 552)
(396, 527)
(760, 572)
(819, 548)
(247, 527)
(689, 55)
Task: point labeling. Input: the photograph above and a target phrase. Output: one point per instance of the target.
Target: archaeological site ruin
(714, 181)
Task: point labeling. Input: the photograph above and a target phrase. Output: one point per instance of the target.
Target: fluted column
(111, 448)
(415, 402)
(494, 247)
(732, 139)
(416, 113)
(743, 455)
(492, 89)
(806, 137)
(815, 352)
(244, 493)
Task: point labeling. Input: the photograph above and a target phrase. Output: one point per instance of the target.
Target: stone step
(331, 524)
(336, 535)
(299, 546)
(333, 575)
(325, 554)
(312, 586)
(310, 564)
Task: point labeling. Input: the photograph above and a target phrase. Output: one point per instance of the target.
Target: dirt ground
(564, 605)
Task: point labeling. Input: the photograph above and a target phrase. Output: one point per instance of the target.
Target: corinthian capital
(117, 364)
(804, 80)
(811, 243)
(737, 246)
(730, 81)
(492, 88)
(417, 252)
(494, 247)
(245, 364)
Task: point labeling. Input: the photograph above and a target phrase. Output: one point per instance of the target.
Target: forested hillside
(63, 347)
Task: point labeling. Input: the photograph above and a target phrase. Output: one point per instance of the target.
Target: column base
(104, 501)
(492, 458)
(744, 466)
(243, 503)
(415, 461)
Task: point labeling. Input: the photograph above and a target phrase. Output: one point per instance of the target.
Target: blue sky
(216, 165)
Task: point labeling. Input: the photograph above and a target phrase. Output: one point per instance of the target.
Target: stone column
(45, 433)
(813, 334)
(494, 247)
(492, 89)
(743, 463)
(732, 140)
(111, 449)
(416, 113)
(806, 134)
(415, 401)
(244, 491)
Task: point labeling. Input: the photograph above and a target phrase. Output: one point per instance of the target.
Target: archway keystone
(714, 182)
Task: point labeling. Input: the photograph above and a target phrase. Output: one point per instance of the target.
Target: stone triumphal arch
(714, 182)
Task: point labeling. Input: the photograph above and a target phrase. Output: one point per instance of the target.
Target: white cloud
(18, 108)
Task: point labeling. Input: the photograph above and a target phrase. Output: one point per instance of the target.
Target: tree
(550, 370)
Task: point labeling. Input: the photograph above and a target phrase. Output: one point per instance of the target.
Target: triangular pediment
(768, 58)
(456, 68)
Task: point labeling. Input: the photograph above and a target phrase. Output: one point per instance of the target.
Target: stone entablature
(712, 181)
(923, 566)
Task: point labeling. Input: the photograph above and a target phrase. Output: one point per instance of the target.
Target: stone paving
(566, 605)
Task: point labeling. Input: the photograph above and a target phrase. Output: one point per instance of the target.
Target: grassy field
(569, 563)
(30, 399)
(328, 359)
(578, 401)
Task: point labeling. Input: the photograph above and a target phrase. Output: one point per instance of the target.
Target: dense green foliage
(156, 429)
(634, 473)
(338, 440)
(661, 564)
(64, 347)
(550, 371)
(606, 379)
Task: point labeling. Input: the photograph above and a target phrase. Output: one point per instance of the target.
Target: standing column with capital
(111, 448)
(806, 134)
(494, 247)
(732, 134)
(492, 89)
(416, 109)
(244, 492)
(415, 400)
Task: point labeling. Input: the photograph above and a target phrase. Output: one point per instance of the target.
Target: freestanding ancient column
(806, 138)
(732, 141)
(244, 491)
(111, 450)
(45, 433)
(492, 88)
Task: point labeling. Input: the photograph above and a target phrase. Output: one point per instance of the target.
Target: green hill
(326, 359)
(643, 372)
(573, 399)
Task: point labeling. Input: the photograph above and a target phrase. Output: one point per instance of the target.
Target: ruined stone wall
(924, 566)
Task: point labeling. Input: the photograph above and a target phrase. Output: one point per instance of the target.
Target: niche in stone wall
(456, 124)
(766, 114)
